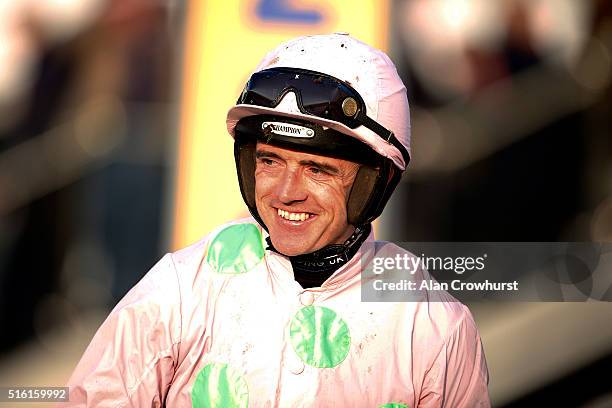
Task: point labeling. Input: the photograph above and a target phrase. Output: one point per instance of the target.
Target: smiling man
(267, 311)
(302, 198)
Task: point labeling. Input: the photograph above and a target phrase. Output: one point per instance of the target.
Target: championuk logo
(287, 129)
(412, 264)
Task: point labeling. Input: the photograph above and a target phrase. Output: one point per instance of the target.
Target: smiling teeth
(293, 216)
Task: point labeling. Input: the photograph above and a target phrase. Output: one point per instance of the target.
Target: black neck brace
(311, 270)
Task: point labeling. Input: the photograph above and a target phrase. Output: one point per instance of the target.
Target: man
(267, 311)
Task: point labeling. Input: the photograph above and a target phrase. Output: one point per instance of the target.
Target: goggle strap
(385, 134)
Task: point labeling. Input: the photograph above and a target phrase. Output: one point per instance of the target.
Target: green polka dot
(236, 249)
(319, 336)
(219, 386)
(393, 405)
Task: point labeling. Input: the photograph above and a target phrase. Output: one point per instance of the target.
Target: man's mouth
(293, 216)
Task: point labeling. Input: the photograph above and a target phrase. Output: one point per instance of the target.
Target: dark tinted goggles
(317, 94)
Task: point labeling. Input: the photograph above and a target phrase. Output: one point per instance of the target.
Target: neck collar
(314, 268)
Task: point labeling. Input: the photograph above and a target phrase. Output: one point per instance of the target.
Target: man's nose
(291, 187)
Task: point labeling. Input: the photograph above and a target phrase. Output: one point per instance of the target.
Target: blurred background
(113, 151)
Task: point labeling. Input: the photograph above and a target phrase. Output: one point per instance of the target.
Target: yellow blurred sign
(225, 39)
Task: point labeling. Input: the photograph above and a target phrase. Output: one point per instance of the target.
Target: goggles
(317, 94)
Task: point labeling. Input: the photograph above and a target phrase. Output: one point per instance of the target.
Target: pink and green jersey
(224, 324)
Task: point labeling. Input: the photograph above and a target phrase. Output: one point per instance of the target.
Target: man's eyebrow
(260, 154)
(326, 167)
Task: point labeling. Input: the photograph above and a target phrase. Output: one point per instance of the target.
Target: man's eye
(266, 162)
(317, 171)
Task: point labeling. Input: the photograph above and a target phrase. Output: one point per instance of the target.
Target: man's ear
(391, 174)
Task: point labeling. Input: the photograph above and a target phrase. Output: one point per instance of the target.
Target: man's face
(302, 198)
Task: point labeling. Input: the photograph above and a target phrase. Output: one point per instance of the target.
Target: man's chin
(292, 248)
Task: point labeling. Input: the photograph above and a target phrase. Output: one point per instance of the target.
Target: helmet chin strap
(311, 270)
